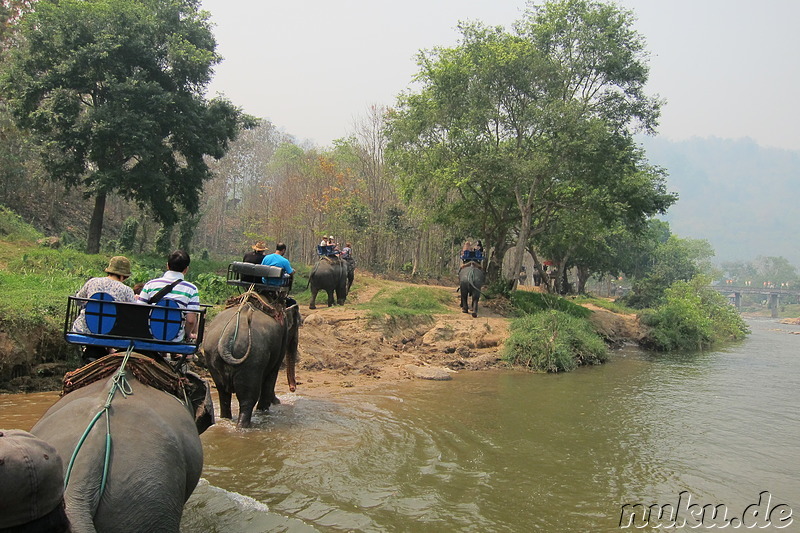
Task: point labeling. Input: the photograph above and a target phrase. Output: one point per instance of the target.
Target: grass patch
(528, 303)
(407, 302)
(553, 341)
(14, 229)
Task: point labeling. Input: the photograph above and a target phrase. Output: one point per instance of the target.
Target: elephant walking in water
(133, 469)
(244, 347)
(470, 279)
(330, 274)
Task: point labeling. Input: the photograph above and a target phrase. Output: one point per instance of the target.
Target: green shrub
(534, 302)
(553, 341)
(214, 288)
(693, 317)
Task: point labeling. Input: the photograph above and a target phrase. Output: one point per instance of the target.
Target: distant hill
(739, 196)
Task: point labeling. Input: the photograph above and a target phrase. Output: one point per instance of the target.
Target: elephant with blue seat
(133, 450)
(330, 274)
(244, 348)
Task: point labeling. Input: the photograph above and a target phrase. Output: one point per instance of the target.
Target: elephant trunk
(290, 377)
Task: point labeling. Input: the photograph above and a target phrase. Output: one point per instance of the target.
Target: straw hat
(260, 246)
(119, 265)
(31, 478)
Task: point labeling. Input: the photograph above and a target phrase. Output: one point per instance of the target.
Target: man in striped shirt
(183, 292)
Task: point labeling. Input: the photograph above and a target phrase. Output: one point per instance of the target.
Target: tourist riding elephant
(330, 275)
(140, 480)
(244, 348)
(470, 279)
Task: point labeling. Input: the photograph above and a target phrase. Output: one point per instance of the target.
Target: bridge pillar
(773, 304)
(737, 300)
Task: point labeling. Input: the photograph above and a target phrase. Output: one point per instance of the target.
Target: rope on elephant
(119, 383)
(276, 309)
(144, 368)
(472, 264)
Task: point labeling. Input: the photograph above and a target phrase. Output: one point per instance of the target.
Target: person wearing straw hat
(255, 256)
(118, 270)
(31, 484)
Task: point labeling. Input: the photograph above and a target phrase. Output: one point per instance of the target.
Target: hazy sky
(727, 68)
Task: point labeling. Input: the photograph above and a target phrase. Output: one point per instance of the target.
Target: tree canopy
(114, 91)
(517, 131)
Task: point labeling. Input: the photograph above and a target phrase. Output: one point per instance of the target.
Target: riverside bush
(553, 341)
(693, 317)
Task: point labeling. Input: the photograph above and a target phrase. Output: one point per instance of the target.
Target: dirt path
(342, 347)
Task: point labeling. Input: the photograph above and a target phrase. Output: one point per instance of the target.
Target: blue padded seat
(121, 325)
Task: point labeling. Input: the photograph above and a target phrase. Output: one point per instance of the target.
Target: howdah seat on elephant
(472, 255)
(123, 325)
(129, 425)
(275, 282)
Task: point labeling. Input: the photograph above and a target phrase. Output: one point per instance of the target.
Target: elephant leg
(341, 295)
(224, 403)
(330, 297)
(464, 300)
(313, 303)
(475, 297)
(247, 392)
(269, 378)
(268, 396)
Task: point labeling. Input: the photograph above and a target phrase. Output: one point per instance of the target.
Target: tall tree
(524, 124)
(114, 91)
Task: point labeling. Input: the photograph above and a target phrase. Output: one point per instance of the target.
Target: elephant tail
(230, 334)
(471, 279)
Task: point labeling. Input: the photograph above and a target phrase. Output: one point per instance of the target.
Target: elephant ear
(233, 332)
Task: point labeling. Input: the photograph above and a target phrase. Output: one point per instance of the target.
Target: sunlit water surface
(509, 451)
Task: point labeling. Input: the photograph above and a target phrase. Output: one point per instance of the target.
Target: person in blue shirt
(277, 259)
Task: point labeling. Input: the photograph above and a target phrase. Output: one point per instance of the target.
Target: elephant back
(239, 330)
(471, 273)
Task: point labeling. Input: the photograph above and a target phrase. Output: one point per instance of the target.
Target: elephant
(244, 348)
(155, 459)
(330, 274)
(470, 279)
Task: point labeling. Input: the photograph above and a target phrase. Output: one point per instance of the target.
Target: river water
(513, 452)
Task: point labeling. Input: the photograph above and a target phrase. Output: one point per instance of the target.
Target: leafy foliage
(693, 316)
(673, 260)
(114, 90)
(513, 132)
(553, 341)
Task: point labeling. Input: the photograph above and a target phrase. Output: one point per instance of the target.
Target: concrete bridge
(773, 294)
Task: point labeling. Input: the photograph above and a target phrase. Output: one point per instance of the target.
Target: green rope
(121, 384)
